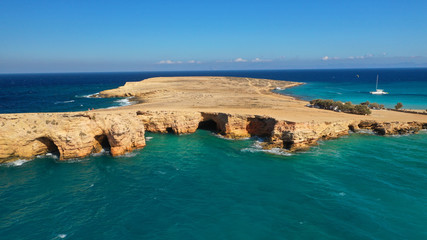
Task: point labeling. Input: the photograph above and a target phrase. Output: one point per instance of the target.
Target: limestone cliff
(75, 135)
(292, 136)
(71, 135)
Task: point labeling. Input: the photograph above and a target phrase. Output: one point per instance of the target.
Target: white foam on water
(399, 135)
(122, 102)
(62, 236)
(74, 160)
(366, 131)
(62, 102)
(15, 163)
(126, 155)
(252, 150)
(50, 155)
(277, 151)
(100, 153)
(231, 139)
(92, 95)
(20, 162)
(256, 147)
(148, 139)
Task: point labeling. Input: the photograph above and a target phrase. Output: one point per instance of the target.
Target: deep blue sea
(200, 186)
(70, 91)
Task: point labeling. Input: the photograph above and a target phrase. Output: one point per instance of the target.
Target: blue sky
(69, 36)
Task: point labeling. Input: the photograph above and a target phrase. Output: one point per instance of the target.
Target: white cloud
(356, 57)
(369, 55)
(166, 62)
(260, 60)
(178, 62)
(240, 60)
(193, 61)
(326, 58)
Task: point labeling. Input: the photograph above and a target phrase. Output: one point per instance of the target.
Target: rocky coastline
(288, 125)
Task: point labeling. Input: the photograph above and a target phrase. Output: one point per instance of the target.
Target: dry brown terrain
(233, 95)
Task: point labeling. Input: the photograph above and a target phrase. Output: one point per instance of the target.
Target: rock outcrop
(300, 136)
(390, 128)
(71, 135)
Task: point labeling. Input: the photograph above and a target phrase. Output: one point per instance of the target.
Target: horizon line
(219, 70)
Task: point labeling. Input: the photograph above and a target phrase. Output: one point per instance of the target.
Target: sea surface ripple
(200, 186)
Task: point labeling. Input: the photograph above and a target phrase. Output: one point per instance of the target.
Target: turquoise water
(408, 86)
(200, 186)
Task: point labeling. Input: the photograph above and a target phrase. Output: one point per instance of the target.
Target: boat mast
(376, 86)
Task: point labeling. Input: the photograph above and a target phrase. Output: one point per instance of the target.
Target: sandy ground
(235, 96)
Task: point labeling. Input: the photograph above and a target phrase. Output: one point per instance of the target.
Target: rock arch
(46, 145)
(101, 143)
(209, 125)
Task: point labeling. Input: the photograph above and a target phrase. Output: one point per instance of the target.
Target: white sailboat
(378, 91)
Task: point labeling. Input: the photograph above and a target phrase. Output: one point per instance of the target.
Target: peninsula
(231, 106)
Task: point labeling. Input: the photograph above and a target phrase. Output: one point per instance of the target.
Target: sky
(111, 36)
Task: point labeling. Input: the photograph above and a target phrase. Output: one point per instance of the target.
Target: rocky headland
(230, 106)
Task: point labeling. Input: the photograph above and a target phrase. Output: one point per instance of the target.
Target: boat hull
(379, 93)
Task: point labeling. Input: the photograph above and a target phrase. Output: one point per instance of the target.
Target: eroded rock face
(170, 121)
(277, 133)
(72, 135)
(75, 135)
(228, 125)
(300, 136)
(391, 128)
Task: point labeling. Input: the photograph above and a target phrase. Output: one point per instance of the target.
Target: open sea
(200, 186)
